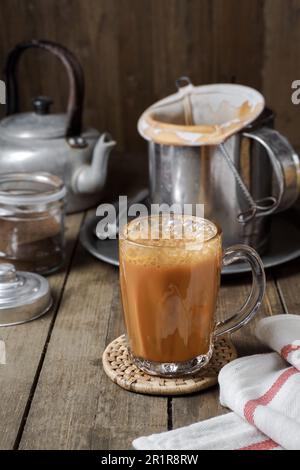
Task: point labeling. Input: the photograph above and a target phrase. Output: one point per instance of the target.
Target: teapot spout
(91, 178)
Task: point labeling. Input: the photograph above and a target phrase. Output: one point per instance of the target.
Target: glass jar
(32, 221)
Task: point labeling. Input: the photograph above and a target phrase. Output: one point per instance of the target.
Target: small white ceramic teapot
(55, 143)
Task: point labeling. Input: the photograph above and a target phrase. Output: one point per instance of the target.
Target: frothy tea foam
(173, 230)
(163, 240)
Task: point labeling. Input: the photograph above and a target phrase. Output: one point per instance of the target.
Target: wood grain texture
(85, 410)
(74, 404)
(288, 276)
(282, 63)
(288, 283)
(56, 395)
(132, 51)
(238, 32)
(25, 347)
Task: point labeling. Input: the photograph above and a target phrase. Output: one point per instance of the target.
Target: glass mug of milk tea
(170, 270)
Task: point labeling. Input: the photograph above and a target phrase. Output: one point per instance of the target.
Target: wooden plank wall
(133, 50)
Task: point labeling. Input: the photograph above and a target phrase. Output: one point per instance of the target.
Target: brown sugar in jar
(32, 221)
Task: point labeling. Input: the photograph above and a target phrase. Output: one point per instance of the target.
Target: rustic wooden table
(54, 393)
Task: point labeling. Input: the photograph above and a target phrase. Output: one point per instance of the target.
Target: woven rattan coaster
(120, 369)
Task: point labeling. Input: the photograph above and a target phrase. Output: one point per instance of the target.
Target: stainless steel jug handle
(75, 75)
(285, 163)
(244, 217)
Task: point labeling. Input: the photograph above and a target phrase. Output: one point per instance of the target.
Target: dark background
(133, 50)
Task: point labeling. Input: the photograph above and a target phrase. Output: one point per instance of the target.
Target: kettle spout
(91, 178)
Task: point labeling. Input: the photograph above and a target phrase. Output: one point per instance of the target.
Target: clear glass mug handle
(254, 300)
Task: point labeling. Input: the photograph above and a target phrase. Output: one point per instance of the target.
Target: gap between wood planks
(44, 351)
(170, 413)
(280, 294)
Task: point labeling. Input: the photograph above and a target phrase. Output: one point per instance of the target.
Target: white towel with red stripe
(263, 392)
(282, 334)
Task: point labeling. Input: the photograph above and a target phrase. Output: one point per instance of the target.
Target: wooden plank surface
(61, 397)
(288, 276)
(238, 32)
(84, 409)
(133, 50)
(25, 348)
(54, 392)
(288, 283)
(282, 63)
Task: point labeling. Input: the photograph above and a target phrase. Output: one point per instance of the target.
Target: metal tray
(284, 245)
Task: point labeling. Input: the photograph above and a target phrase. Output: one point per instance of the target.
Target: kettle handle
(75, 76)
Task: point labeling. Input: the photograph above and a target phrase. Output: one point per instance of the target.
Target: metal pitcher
(254, 173)
(202, 175)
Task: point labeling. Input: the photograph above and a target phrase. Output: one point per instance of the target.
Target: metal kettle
(55, 143)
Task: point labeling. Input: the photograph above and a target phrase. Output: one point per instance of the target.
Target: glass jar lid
(30, 188)
(24, 296)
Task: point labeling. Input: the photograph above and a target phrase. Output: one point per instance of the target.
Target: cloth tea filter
(207, 115)
(200, 115)
(24, 296)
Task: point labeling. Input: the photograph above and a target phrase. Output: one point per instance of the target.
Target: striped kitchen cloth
(263, 392)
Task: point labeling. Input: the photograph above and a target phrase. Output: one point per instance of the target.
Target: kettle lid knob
(41, 104)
